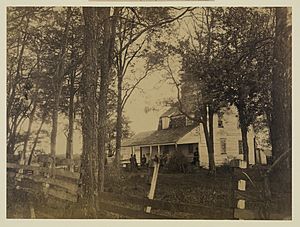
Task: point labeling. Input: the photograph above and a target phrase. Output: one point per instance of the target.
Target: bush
(225, 168)
(177, 163)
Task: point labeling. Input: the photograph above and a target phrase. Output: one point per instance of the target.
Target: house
(176, 132)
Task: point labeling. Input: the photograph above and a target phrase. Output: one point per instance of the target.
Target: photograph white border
(149, 223)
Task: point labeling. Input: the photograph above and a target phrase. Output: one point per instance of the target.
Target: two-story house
(176, 132)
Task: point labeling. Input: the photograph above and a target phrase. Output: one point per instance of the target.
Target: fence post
(239, 204)
(153, 185)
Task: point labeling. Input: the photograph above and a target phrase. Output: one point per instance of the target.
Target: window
(220, 121)
(191, 148)
(165, 122)
(220, 124)
(241, 147)
(223, 145)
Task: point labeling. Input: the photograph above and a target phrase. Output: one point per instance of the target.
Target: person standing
(196, 157)
(143, 161)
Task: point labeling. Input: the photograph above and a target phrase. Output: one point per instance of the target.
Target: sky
(154, 90)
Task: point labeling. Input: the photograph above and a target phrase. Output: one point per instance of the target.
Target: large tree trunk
(69, 151)
(244, 131)
(282, 93)
(89, 117)
(54, 128)
(208, 133)
(211, 153)
(109, 29)
(210, 150)
(119, 123)
(282, 84)
(244, 128)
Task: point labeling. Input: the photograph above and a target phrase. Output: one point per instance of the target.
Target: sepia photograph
(161, 112)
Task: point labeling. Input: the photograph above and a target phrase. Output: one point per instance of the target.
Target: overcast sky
(154, 89)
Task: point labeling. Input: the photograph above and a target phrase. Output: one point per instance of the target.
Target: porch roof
(164, 136)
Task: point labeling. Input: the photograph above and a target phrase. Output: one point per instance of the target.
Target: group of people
(162, 160)
(144, 162)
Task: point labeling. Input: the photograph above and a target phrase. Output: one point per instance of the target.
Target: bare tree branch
(139, 34)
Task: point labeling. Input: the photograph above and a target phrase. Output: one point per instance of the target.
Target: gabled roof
(173, 111)
(165, 136)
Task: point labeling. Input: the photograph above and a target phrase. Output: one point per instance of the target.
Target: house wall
(232, 133)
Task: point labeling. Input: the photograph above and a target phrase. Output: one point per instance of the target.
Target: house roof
(173, 111)
(165, 136)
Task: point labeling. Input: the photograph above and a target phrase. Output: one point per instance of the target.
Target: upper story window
(165, 122)
(241, 147)
(223, 145)
(220, 121)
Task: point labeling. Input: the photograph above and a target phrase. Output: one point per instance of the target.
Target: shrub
(177, 163)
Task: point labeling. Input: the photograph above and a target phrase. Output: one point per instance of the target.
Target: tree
(136, 28)
(247, 50)
(281, 136)
(57, 82)
(18, 68)
(89, 123)
(200, 96)
(106, 61)
(71, 86)
(24, 87)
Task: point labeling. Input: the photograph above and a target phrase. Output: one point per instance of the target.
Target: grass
(193, 188)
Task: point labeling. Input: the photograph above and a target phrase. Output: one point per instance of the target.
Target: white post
(241, 204)
(153, 185)
(242, 164)
(150, 151)
(241, 186)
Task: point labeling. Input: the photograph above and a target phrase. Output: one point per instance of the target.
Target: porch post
(150, 151)
(199, 153)
(158, 150)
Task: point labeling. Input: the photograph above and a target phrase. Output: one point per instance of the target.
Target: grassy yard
(193, 188)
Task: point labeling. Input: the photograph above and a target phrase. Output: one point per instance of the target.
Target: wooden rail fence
(62, 186)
